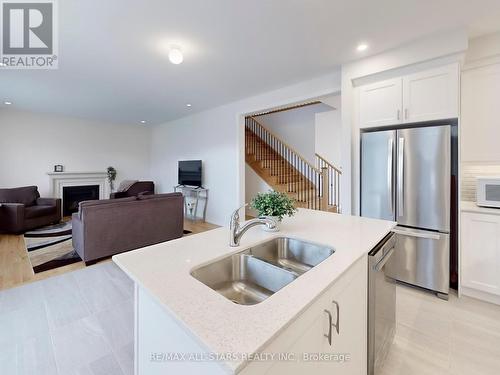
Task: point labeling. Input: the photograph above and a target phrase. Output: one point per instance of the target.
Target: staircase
(285, 170)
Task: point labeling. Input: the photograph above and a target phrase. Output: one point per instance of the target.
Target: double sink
(254, 274)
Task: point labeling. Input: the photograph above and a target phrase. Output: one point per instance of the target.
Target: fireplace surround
(60, 180)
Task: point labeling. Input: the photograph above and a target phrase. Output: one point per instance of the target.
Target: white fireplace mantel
(58, 180)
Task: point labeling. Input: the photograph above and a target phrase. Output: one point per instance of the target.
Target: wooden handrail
(328, 163)
(317, 188)
(287, 108)
(286, 145)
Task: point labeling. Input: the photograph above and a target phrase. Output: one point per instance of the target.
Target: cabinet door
(481, 252)
(352, 328)
(306, 349)
(431, 94)
(380, 104)
(480, 90)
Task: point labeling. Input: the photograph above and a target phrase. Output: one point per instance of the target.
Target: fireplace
(73, 195)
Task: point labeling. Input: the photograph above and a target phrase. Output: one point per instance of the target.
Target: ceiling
(113, 64)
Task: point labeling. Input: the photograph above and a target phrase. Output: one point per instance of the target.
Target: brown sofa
(107, 227)
(22, 209)
(138, 187)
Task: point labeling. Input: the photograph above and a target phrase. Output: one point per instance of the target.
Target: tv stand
(193, 196)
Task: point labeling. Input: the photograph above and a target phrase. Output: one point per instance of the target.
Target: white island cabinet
(310, 335)
(315, 324)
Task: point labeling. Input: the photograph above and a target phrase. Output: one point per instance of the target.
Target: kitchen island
(184, 326)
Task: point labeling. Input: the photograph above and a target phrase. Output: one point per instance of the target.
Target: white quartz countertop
(466, 206)
(222, 326)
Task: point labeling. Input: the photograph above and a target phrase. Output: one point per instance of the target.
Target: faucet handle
(236, 213)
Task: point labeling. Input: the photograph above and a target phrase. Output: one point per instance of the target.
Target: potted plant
(274, 204)
(111, 177)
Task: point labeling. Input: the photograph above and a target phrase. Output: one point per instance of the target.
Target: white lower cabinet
(308, 336)
(480, 256)
(303, 347)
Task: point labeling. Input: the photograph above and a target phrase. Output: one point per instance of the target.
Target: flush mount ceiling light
(143, 121)
(175, 55)
(2, 64)
(362, 47)
(189, 105)
(7, 102)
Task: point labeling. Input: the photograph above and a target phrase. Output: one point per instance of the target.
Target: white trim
(483, 296)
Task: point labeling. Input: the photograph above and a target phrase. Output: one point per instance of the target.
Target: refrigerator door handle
(389, 174)
(419, 234)
(401, 148)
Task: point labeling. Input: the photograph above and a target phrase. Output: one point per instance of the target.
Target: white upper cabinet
(380, 103)
(424, 96)
(431, 95)
(480, 114)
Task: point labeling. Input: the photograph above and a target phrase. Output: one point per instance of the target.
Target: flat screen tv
(190, 173)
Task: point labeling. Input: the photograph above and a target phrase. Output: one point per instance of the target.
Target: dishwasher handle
(417, 233)
(377, 267)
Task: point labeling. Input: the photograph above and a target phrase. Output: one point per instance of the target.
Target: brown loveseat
(22, 209)
(107, 227)
(134, 189)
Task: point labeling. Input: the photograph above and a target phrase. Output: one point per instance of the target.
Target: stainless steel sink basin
(291, 254)
(243, 278)
(254, 274)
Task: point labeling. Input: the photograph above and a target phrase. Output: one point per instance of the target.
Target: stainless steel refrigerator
(405, 177)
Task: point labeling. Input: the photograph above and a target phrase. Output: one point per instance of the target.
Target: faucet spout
(237, 231)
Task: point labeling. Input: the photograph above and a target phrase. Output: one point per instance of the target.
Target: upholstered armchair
(133, 189)
(22, 209)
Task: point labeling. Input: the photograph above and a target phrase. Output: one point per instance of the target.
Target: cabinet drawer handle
(337, 324)
(330, 324)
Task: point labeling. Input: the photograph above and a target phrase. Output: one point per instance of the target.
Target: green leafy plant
(273, 203)
(111, 176)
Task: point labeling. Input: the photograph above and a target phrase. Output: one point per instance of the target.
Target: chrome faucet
(236, 231)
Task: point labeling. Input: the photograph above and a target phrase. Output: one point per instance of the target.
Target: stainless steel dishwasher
(381, 304)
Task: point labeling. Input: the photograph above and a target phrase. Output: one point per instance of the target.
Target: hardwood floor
(15, 266)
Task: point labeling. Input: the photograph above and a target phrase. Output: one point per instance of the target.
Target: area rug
(50, 247)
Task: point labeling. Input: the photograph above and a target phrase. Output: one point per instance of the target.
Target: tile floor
(82, 323)
(76, 323)
(435, 337)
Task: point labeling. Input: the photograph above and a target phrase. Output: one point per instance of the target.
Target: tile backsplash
(469, 174)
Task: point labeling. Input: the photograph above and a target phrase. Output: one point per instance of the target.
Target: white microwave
(488, 191)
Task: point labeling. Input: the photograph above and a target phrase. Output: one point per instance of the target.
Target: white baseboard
(483, 296)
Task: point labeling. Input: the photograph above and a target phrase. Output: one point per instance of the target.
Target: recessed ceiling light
(7, 103)
(175, 55)
(362, 47)
(188, 105)
(143, 121)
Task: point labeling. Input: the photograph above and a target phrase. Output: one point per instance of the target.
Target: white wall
(328, 134)
(32, 143)
(296, 128)
(421, 54)
(253, 185)
(217, 137)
